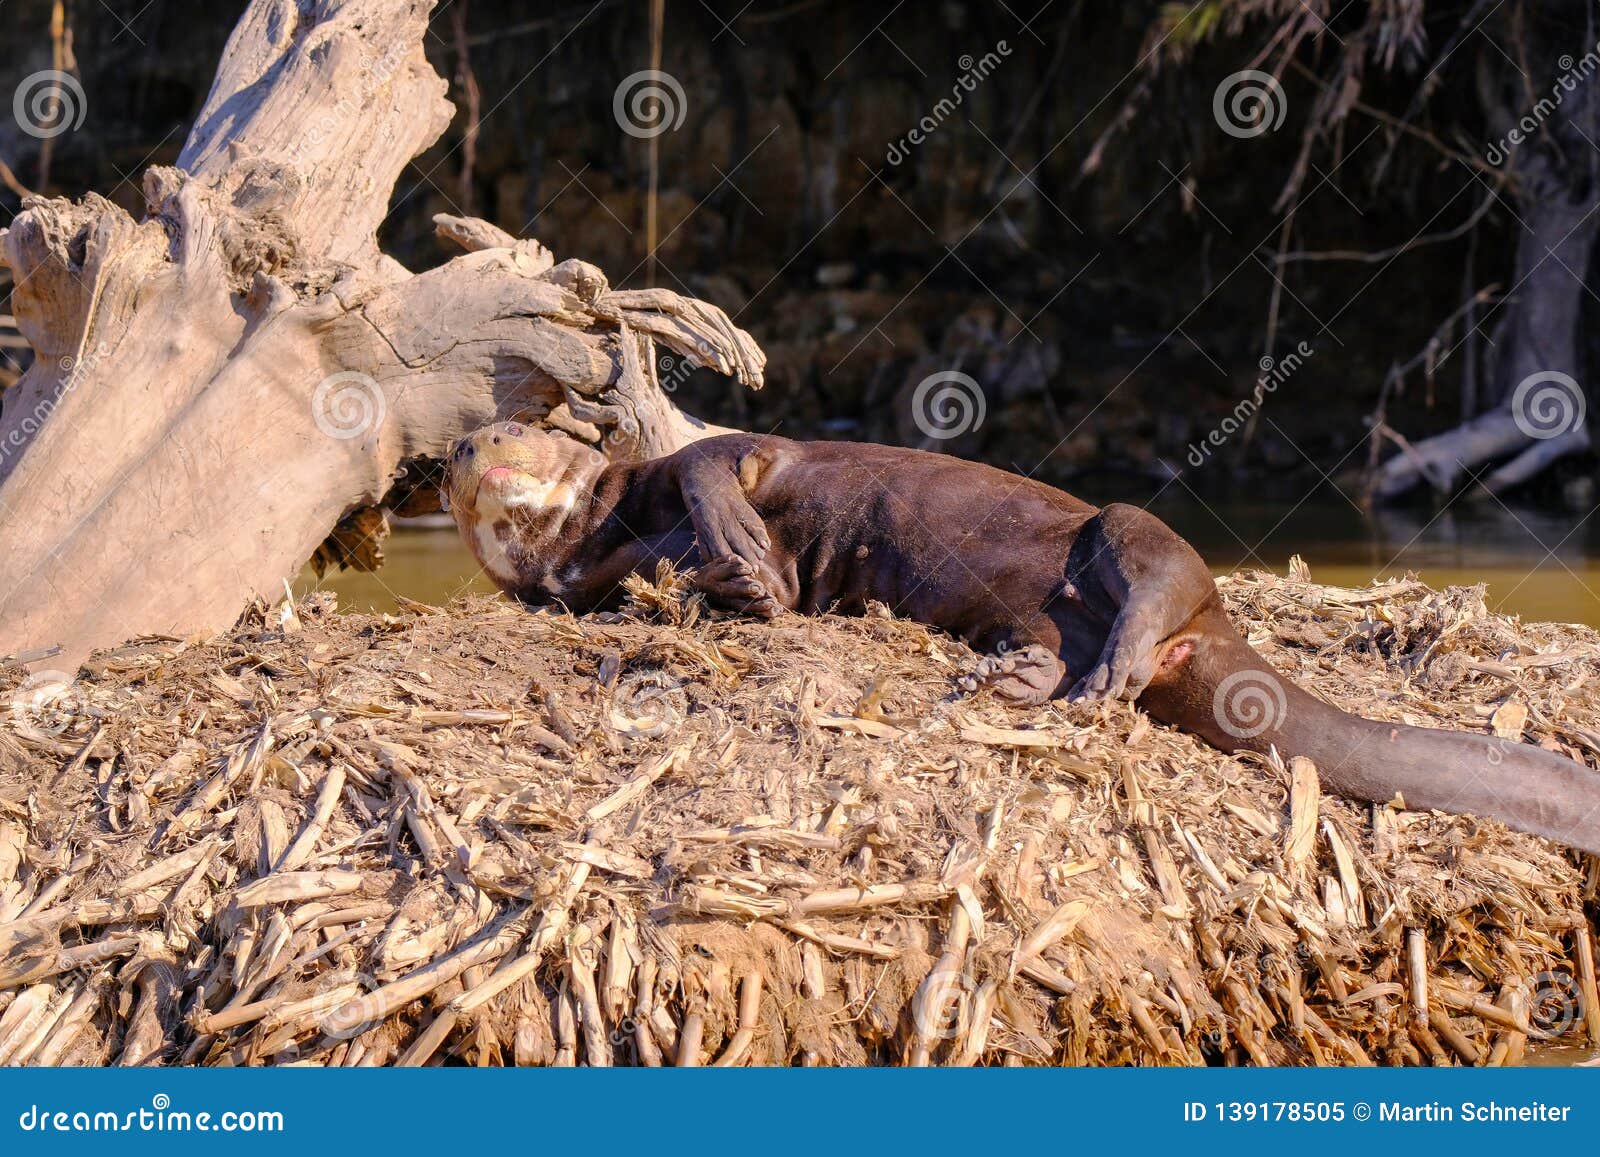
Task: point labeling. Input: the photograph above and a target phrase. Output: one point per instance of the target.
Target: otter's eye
(514, 430)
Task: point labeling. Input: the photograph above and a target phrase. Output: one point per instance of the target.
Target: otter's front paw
(1125, 668)
(725, 523)
(731, 582)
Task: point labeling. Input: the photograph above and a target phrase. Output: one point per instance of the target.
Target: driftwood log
(218, 385)
(1538, 402)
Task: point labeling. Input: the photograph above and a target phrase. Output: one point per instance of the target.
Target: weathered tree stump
(1539, 403)
(217, 385)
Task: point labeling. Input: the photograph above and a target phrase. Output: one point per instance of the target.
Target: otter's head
(510, 488)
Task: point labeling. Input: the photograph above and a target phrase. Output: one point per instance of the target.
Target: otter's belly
(979, 599)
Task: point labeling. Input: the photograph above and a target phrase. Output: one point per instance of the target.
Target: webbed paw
(1029, 676)
(731, 582)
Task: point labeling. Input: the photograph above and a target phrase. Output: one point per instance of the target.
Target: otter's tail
(1225, 692)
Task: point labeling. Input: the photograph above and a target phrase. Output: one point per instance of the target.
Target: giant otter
(1066, 598)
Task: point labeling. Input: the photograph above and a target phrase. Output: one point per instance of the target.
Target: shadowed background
(1077, 232)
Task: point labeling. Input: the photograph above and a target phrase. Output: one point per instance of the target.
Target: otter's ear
(444, 500)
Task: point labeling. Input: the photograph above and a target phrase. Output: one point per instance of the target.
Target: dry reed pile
(484, 835)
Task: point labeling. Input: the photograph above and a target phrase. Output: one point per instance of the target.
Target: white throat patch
(503, 505)
(526, 492)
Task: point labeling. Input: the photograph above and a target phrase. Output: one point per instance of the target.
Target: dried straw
(482, 835)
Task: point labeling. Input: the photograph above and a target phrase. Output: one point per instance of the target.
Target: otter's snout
(500, 449)
(467, 448)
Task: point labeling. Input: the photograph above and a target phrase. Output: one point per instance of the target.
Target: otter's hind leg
(1025, 676)
(1153, 582)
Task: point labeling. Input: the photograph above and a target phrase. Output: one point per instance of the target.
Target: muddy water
(1537, 564)
(431, 566)
(1540, 566)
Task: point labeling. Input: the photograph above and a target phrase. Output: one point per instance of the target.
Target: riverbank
(1523, 574)
(476, 834)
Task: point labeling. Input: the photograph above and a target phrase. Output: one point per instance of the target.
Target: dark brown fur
(1068, 599)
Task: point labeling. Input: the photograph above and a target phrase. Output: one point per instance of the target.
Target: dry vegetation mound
(484, 835)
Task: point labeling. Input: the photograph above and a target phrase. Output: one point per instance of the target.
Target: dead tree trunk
(215, 386)
(1539, 372)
